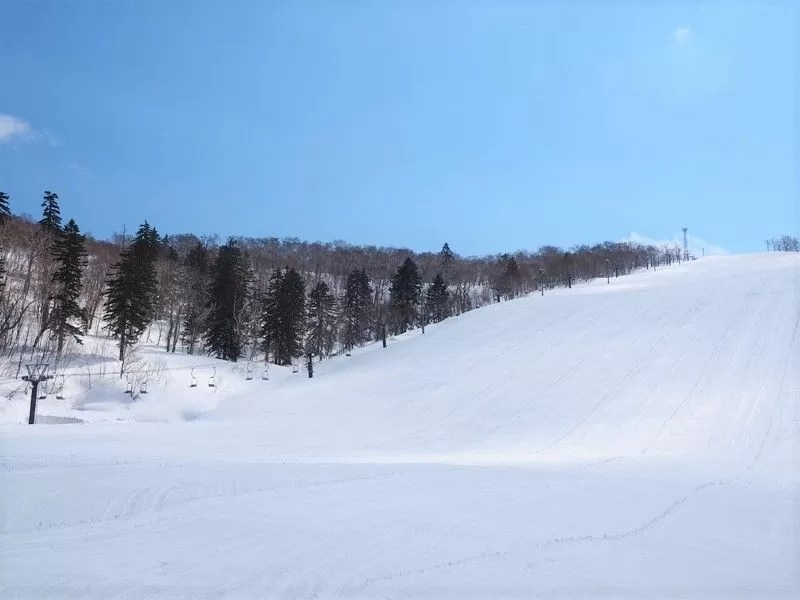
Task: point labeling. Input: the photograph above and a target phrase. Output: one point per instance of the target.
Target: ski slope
(637, 439)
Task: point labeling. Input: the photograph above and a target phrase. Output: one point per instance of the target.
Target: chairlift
(265, 373)
(129, 386)
(250, 372)
(43, 391)
(193, 381)
(212, 381)
(60, 388)
(295, 365)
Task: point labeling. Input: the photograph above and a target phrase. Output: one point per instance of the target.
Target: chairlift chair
(212, 381)
(129, 386)
(193, 381)
(265, 373)
(43, 391)
(295, 365)
(250, 372)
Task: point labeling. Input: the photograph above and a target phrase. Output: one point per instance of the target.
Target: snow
(637, 439)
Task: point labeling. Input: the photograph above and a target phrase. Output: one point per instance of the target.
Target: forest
(271, 299)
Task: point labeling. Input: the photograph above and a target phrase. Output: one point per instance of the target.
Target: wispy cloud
(76, 168)
(682, 35)
(697, 246)
(14, 129)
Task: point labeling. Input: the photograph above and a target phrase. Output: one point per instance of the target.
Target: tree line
(258, 297)
(44, 306)
(784, 243)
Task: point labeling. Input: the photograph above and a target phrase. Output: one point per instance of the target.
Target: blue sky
(493, 125)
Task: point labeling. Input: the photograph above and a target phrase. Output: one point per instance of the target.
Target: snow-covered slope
(632, 439)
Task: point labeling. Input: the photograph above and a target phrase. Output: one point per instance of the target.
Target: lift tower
(685, 245)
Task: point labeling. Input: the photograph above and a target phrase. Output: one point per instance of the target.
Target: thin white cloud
(13, 128)
(682, 35)
(697, 246)
(76, 168)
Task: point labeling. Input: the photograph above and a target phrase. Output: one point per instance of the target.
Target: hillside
(636, 438)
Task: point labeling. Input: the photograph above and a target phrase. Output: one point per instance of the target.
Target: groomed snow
(637, 439)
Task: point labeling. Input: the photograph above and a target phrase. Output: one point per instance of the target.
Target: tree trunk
(169, 333)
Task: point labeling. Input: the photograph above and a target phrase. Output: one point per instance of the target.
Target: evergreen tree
(197, 269)
(69, 254)
(513, 277)
(50, 224)
(437, 300)
(356, 309)
(227, 300)
(5, 213)
(5, 210)
(568, 267)
(284, 316)
(131, 289)
(446, 259)
(508, 279)
(271, 317)
(321, 321)
(293, 298)
(405, 293)
(51, 214)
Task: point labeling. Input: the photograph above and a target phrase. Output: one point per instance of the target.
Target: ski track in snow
(625, 440)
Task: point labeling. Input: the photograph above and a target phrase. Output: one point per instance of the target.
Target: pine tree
(197, 269)
(50, 224)
(568, 266)
(437, 300)
(293, 298)
(507, 279)
(131, 289)
(51, 214)
(284, 316)
(446, 259)
(271, 317)
(227, 300)
(5, 213)
(405, 293)
(69, 254)
(356, 309)
(513, 277)
(321, 321)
